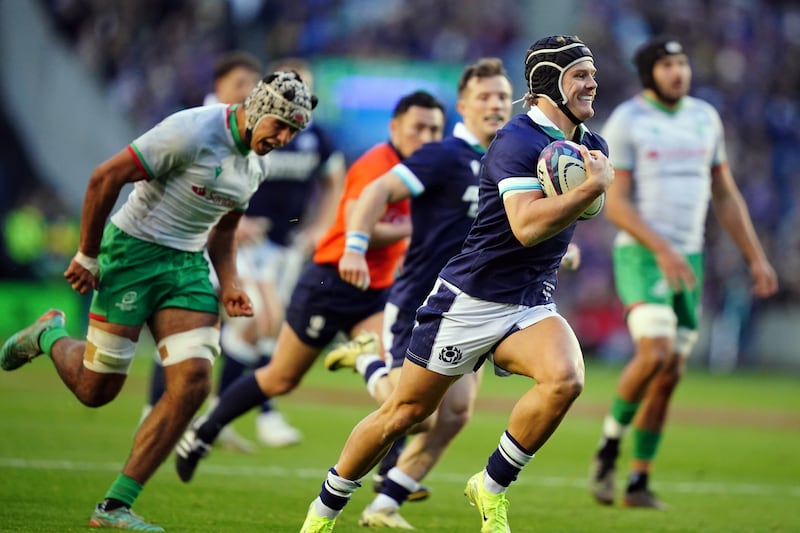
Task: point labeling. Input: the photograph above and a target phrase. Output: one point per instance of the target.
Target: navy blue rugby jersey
(293, 170)
(492, 264)
(443, 179)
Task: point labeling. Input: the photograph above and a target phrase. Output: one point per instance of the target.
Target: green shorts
(137, 278)
(639, 280)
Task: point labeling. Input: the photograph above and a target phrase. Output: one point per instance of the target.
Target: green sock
(645, 444)
(124, 489)
(49, 337)
(623, 411)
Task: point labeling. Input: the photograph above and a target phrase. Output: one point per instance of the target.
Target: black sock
(241, 396)
(231, 371)
(157, 384)
(637, 481)
(110, 504)
(609, 451)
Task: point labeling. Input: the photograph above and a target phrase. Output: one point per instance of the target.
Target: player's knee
(275, 383)
(102, 393)
(671, 374)
(402, 417)
(452, 418)
(192, 383)
(564, 388)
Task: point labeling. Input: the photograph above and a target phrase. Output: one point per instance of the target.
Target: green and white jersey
(198, 169)
(670, 155)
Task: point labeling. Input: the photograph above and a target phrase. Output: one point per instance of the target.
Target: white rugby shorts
(455, 332)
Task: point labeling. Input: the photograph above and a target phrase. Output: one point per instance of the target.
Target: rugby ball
(561, 168)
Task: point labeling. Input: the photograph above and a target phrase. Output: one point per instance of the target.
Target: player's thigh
(637, 277)
(547, 350)
(173, 320)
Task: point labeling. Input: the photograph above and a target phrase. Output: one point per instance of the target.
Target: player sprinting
(494, 299)
(322, 304)
(669, 148)
(193, 173)
(442, 181)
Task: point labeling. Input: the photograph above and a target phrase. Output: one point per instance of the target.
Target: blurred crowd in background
(155, 57)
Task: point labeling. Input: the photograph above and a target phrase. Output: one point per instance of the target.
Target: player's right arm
(362, 218)
(102, 192)
(621, 211)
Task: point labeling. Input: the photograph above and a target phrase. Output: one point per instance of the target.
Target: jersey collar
(658, 104)
(549, 127)
(460, 131)
(233, 125)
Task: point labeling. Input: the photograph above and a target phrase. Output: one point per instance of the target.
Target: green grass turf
(729, 461)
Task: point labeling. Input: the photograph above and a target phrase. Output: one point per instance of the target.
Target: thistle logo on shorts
(450, 355)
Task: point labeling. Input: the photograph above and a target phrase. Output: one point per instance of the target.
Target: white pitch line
(694, 487)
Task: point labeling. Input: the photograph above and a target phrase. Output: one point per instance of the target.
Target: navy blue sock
(157, 384)
(241, 396)
(390, 459)
(395, 490)
(231, 371)
(507, 460)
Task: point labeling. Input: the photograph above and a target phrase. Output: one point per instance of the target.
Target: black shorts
(322, 304)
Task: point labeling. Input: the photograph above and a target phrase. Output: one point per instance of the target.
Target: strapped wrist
(89, 263)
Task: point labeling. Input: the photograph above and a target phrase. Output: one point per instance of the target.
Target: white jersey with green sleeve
(198, 169)
(670, 155)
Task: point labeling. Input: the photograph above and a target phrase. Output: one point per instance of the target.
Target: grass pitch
(729, 461)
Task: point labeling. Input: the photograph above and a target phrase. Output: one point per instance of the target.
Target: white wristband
(89, 263)
(357, 241)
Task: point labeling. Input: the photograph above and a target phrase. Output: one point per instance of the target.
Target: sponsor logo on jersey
(215, 198)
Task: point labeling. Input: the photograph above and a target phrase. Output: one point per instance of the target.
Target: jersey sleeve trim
(140, 162)
(518, 184)
(409, 179)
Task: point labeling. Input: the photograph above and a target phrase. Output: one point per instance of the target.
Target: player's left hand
(765, 281)
(236, 302)
(354, 270)
(571, 259)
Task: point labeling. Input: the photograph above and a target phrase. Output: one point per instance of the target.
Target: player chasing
(494, 299)
(193, 175)
(670, 148)
(322, 304)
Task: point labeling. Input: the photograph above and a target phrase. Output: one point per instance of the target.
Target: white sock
(491, 485)
(364, 360)
(382, 502)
